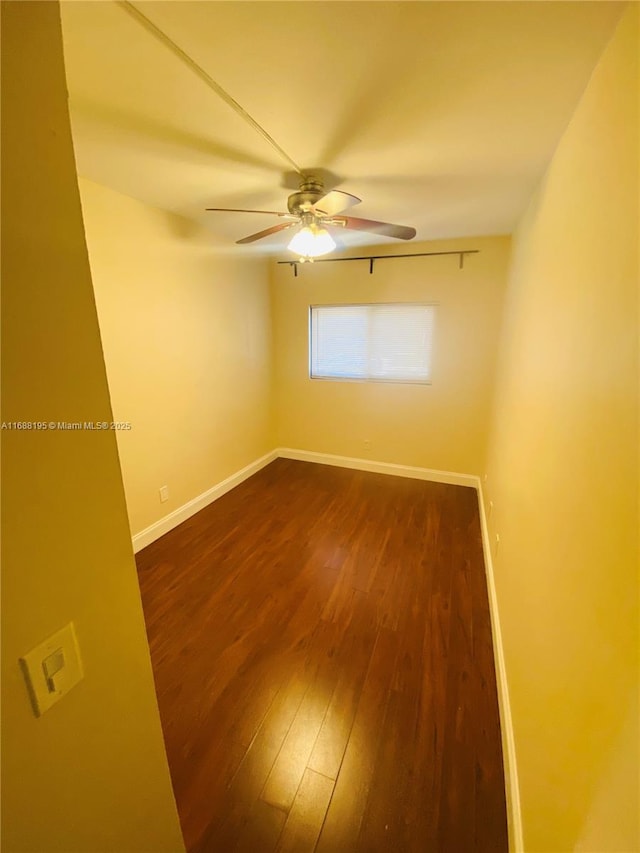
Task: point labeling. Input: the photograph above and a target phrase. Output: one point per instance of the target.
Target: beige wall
(563, 475)
(442, 425)
(186, 338)
(91, 774)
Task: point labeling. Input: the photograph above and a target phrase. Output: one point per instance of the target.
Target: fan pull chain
(217, 88)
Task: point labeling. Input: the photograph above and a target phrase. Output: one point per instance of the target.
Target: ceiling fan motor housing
(311, 190)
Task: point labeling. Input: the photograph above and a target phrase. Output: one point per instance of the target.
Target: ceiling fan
(313, 208)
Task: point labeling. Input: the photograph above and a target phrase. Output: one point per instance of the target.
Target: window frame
(361, 380)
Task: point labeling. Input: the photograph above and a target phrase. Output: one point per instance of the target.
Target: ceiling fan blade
(402, 232)
(335, 201)
(242, 210)
(273, 230)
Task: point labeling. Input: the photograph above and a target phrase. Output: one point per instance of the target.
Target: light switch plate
(52, 668)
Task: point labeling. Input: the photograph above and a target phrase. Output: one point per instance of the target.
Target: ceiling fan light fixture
(311, 242)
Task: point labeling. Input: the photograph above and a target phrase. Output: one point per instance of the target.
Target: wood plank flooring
(321, 646)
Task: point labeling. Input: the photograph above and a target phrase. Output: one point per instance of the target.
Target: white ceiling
(440, 115)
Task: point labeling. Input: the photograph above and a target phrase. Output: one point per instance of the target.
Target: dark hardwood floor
(321, 645)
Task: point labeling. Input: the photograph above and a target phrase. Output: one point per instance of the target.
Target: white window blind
(386, 342)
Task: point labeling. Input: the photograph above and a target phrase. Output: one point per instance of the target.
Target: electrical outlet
(367, 444)
(164, 494)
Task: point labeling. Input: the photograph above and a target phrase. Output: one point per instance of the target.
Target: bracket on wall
(372, 258)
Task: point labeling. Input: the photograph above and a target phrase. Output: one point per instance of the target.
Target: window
(385, 343)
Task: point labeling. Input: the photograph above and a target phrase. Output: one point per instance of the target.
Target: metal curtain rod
(371, 258)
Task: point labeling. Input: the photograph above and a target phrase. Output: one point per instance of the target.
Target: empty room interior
(320, 430)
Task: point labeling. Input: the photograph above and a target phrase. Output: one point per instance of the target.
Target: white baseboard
(514, 815)
(411, 471)
(173, 519)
